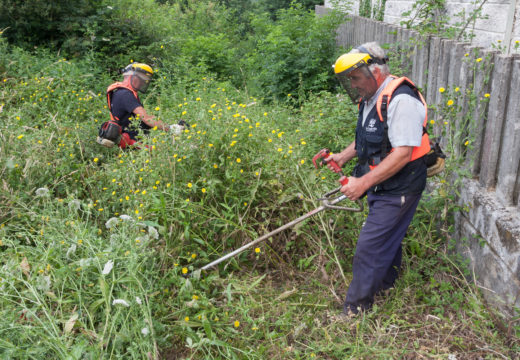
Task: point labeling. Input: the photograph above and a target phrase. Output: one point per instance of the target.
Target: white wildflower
(145, 331)
(141, 239)
(43, 283)
(41, 192)
(112, 222)
(153, 233)
(138, 300)
(71, 250)
(120, 302)
(74, 204)
(108, 267)
(85, 262)
(126, 217)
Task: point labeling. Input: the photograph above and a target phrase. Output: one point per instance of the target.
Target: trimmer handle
(323, 154)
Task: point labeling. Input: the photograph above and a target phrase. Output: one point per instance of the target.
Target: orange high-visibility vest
(111, 89)
(382, 106)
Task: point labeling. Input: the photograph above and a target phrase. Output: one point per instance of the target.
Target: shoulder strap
(110, 91)
(382, 107)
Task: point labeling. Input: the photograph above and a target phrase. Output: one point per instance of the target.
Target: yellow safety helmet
(349, 62)
(143, 72)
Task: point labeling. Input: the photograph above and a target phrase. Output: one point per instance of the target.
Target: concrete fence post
(454, 81)
(423, 60)
(509, 160)
(483, 71)
(406, 52)
(433, 64)
(495, 120)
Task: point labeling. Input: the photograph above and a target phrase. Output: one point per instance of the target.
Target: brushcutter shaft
(274, 232)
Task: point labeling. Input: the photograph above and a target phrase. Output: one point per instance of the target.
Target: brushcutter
(328, 201)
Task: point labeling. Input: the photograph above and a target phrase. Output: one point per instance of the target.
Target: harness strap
(382, 111)
(110, 91)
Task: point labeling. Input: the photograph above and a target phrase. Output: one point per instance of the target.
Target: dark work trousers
(378, 252)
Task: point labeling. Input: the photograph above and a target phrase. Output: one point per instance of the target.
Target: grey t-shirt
(405, 117)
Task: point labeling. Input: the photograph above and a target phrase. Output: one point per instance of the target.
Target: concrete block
(321, 10)
(509, 159)
(489, 235)
(495, 119)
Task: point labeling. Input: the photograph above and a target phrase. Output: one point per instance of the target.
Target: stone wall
(488, 231)
(487, 31)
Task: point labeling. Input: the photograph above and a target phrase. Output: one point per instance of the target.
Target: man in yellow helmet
(126, 109)
(390, 144)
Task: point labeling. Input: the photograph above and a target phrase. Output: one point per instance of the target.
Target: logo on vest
(371, 127)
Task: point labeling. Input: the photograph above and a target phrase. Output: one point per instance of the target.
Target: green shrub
(295, 53)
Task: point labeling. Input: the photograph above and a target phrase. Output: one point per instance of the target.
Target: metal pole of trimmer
(327, 202)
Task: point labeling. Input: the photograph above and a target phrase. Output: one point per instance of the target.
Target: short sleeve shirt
(123, 105)
(405, 117)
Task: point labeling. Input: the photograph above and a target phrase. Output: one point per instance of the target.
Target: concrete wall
(488, 232)
(488, 31)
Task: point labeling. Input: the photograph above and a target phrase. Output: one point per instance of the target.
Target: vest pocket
(374, 140)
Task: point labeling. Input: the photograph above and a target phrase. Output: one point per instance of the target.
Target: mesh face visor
(345, 80)
(139, 80)
(345, 65)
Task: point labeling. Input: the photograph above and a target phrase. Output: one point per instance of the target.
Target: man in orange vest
(390, 144)
(126, 109)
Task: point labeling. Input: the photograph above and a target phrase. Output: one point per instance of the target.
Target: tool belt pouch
(435, 162)
(109, 133)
